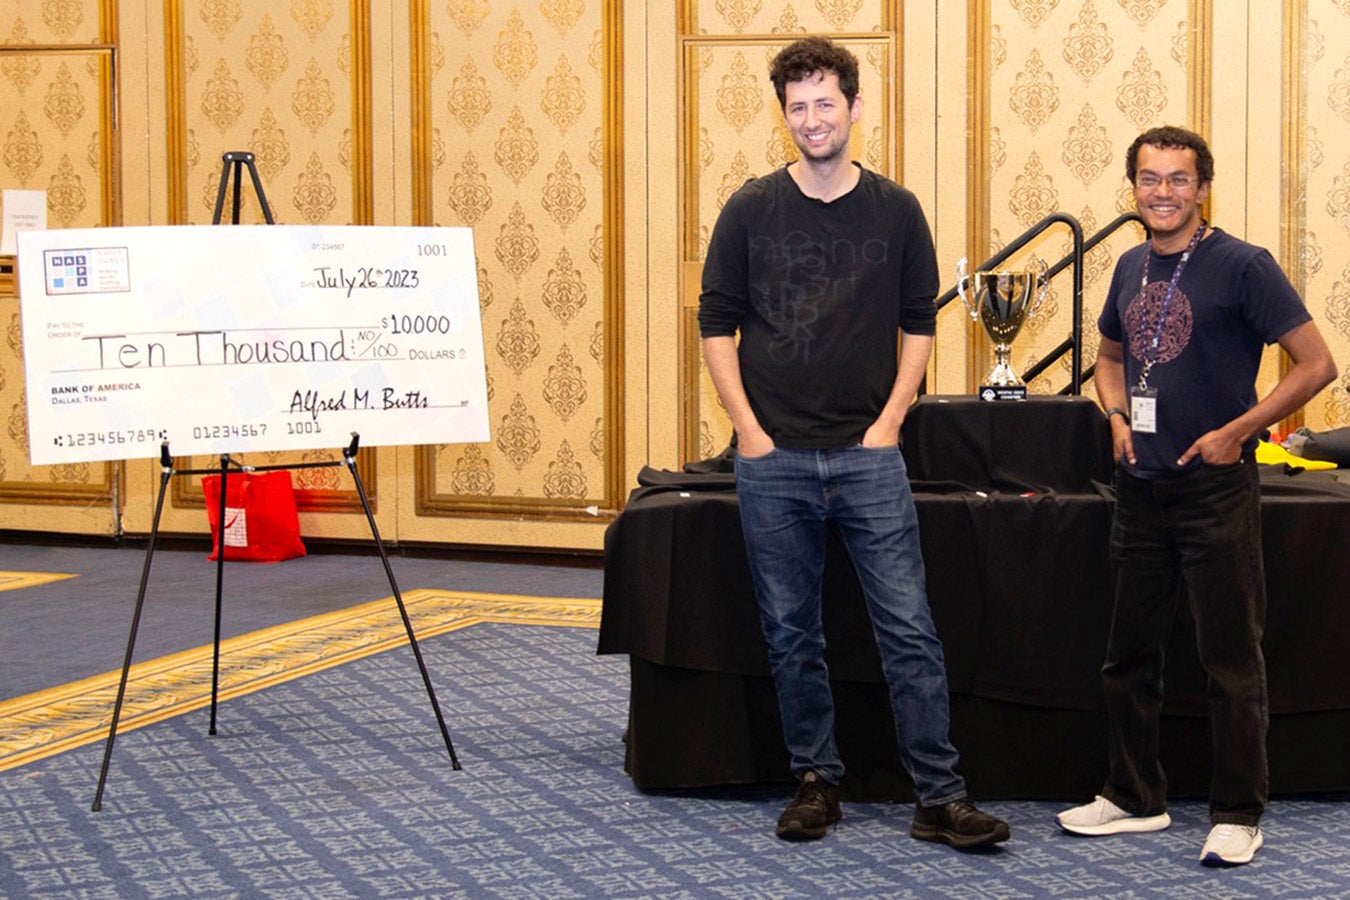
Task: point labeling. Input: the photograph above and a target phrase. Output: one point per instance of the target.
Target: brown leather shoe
(959, 824)
(814, 808)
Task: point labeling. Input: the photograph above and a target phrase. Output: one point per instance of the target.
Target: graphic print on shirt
(804, 277)
(1141, 323)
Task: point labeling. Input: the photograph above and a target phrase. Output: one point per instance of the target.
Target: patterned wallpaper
(520, 152)
(746, 17)
(54, 121)
(277, 80)
(1319, 124)
(51, 22)
(517, 152)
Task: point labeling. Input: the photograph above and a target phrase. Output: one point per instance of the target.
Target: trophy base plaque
(996, 392)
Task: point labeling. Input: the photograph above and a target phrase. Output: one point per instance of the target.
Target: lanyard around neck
(1167, 298)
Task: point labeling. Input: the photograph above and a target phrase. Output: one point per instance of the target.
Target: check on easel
(249, 338)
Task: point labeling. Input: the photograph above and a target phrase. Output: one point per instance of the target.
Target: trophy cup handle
(962, 279)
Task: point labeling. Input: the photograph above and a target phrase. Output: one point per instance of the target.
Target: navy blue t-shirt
(1232, 300)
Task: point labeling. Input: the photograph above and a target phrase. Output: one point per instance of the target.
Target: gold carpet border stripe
(13, 581)
(52, 721)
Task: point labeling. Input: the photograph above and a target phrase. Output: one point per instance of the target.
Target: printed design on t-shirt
(803, 276)
(1141, 323)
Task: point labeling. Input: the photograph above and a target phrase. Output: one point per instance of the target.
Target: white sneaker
(1101, 817)
(1231, 845)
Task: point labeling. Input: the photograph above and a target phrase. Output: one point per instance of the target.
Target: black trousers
(1200, 531)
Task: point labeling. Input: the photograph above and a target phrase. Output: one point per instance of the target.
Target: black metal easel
(167, 471)
(236, 160)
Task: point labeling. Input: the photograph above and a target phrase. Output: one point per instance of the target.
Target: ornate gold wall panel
(57, 134)
(1317, 174)
(732, 130)
(522, 143)
(55, 130)
(1069, 85)
(55, 21)
(285, 81)
(57, 102)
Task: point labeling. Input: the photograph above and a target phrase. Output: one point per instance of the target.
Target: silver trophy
(1003, 300)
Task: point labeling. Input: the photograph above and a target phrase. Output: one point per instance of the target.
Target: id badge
(1144, 410)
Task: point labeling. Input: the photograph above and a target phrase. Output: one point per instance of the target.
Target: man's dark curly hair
(1172, 137)
(804, 58)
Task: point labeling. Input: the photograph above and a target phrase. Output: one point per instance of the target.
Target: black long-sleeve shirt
(819, 293)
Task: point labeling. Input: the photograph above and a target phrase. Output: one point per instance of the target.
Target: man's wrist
(1117, 411)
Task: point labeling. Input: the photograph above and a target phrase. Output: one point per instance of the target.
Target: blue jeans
(788, 498)
(1200, 531)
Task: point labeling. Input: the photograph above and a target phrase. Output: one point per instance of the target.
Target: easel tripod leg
(166, 471)
(349, 457)
(220, 585)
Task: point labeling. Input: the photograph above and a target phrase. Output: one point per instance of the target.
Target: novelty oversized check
(226, 339)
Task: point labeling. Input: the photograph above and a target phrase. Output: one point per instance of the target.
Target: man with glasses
(822, 267)
(1186, 319)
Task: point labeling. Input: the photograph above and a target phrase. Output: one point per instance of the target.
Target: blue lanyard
(1167, 298)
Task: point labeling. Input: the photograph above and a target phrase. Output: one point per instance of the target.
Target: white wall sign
(22, 211)
(226, 339)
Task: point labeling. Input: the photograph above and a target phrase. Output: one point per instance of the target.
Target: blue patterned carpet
(337, 784)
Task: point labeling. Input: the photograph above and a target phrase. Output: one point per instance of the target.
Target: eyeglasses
(1176, 181)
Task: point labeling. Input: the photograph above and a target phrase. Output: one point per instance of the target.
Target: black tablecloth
(1043, 444)
(1018, 582)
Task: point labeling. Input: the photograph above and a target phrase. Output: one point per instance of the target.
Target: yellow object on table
(1268, 453)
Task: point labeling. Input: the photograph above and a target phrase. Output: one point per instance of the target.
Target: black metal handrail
(1074, 343)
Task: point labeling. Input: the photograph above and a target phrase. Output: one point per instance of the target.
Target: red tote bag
(261, 521)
